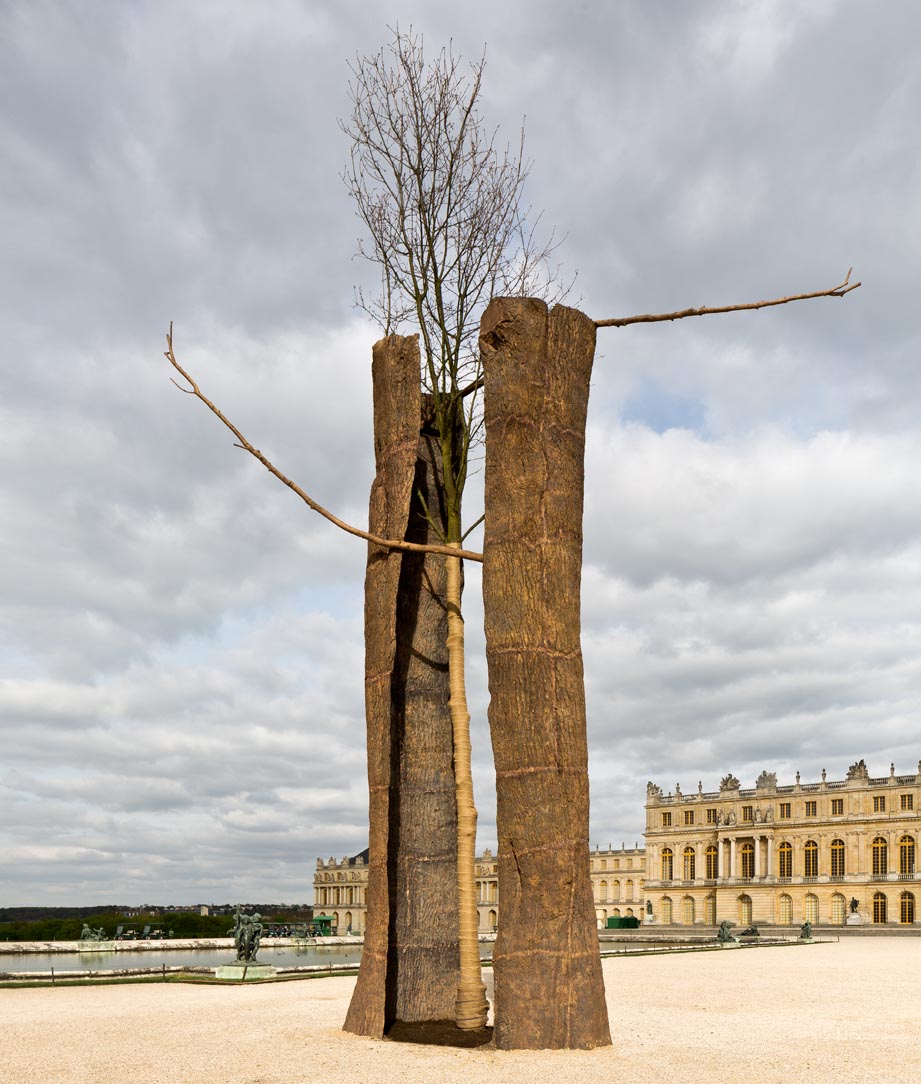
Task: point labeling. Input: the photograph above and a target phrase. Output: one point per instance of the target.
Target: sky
(181, 710)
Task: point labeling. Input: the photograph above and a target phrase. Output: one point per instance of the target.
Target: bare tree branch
(648, 318)
(242, 442)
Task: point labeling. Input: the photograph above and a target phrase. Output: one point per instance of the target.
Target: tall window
(689, 816)
(906, 856)
(811, 859)
(689, 857)
(629, 893)
(838, 909)
(747, 855)
(668, 863)
(879, 803)
(785, 910)
(784, 811)
(603, 892)
(745, 910)
(710, 910)
(837, 858)
(747, 813)
(906, 802)
(837, 807)
(879, 907)
(687, 911)
(906, 908)
(711, 816)
(665, 909)
(880, 858)
(712, 862)
(785, 860)
(615, 890)
(811, 809)
(666, 820)
(811, 910)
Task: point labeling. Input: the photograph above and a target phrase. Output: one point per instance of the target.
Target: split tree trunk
(537, 366)
(409, 966)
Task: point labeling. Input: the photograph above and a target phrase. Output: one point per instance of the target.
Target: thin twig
(242, 442)
(649, 318)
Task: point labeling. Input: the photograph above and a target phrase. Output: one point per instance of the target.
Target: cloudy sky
(180, 639)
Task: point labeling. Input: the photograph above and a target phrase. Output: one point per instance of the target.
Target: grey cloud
(181, 693)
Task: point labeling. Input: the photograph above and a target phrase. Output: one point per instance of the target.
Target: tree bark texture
(537, 365)
(410, 961)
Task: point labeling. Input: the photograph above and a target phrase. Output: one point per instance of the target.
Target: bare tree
(447, 230)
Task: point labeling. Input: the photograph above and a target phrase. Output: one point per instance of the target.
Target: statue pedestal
(96, 946)
(240, 972)
(854, 919)
(649, 920)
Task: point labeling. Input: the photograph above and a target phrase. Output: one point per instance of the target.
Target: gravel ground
(811, 1014)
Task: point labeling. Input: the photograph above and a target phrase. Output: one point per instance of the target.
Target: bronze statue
(247, 935)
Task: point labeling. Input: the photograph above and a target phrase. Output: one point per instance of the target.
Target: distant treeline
(66, 923)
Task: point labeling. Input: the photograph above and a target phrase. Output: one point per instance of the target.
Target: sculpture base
(96, 946)
(245, 972)
(853, 919)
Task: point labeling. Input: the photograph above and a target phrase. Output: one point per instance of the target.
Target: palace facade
(340, 887)
(770, 854)
(783, 855)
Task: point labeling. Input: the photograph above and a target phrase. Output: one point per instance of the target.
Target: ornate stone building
(768, 854)
(786, 854)
(340, 889)
(618, 882)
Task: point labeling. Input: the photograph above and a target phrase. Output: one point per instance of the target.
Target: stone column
(410, 961)
(770, 856)
(537, 368)
(757, 856)
(733, 870)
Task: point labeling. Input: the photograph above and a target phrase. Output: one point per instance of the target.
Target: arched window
(493, 920)
(745, 910)
(665, 909)
(747, 855)
(811, 910)
(710, 909)
(668, 863)
(837, 858)
(785, 910)
(689, 857)
(629, 892)
(687, 911)
(603, 892)
(348, 920)
(785, 860)
(811, 859)
(880, 860)
(879, 907)
(907, 856)
(615, 894)
(712, 862)
(906, 908)
(838, 909)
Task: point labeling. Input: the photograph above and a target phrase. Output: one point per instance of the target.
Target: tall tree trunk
(537, 366)
(409, 968)
(471, 1007)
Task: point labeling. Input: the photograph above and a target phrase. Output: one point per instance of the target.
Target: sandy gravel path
(813, 1014)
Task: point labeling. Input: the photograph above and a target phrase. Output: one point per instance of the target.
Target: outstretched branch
(242, 442)
(655, 318)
